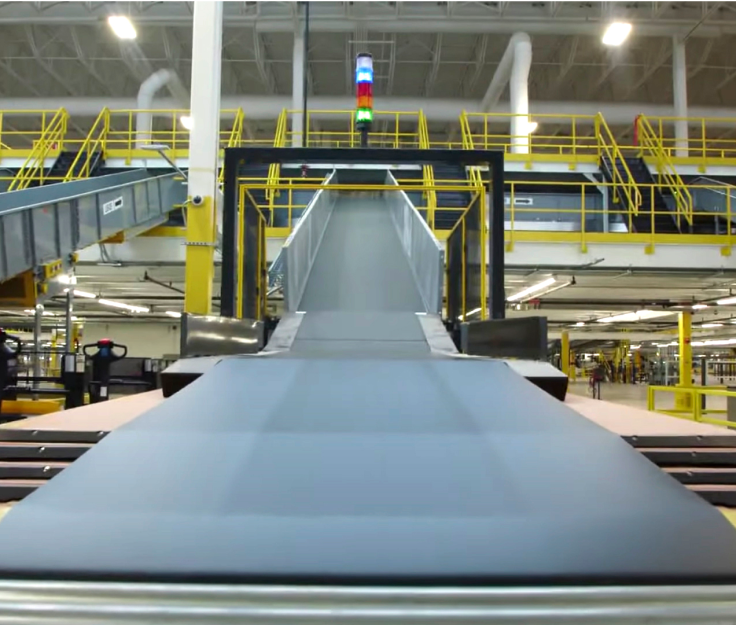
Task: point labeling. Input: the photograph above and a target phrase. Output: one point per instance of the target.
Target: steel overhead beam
(263, 69)
(665, 52)
(481, 47)
(569, 61)
(659, 8)
(84, 60)
(391, 65)
(5, 65)
(411, 24)
(434, 69)
(44, 64)
(703, 59)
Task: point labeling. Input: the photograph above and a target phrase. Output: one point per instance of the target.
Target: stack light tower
(364, 89)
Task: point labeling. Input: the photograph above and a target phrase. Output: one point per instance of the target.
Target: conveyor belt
(365, 464)
(360, 295)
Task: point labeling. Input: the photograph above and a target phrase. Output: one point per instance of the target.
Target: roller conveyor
(362, 456)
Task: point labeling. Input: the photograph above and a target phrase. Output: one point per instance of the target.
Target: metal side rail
(36, 602)
(49, 223)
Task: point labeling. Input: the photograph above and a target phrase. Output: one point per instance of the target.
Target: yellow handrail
(274, 170)
(33, 169)
(622, 183)
(468, 144)
(427, 170)
(234, 140)
(650, 145)
(94, 143)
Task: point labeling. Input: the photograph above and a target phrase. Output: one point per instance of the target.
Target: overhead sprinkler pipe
(144, 103)
(514, 71)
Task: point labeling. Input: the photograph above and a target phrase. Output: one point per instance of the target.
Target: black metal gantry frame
(235, 157)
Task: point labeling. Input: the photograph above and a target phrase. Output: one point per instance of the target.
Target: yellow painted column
(200, 257)
(683, 401)
(203, 154)
(565, 352)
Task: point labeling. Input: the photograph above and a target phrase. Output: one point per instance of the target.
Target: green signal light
(364, 115)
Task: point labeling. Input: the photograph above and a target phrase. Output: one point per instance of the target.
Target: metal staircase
(663, 221)
(446, 175)
(69, 166)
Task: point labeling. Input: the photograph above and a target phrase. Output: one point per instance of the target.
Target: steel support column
(204, 141)
(679, 90)
(683, 400)
(297, 85)
(69, 321)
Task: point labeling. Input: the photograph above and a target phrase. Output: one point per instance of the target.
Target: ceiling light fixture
(532, 289)
(187, 121)
(475, 311)
(173, 313)
(85, 294)
(639, 315)
(699, 306)
(124, 306)
(122, 27)
(580, 324)
(712, 325)
(726, 301)
(616, 33)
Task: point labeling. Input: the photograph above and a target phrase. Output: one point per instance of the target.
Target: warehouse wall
(145, 340)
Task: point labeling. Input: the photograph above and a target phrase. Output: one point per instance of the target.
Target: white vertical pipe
(297, 87)
(679, 90)
(519, 94)
(513, 70)
(144, 102)
(205, 98)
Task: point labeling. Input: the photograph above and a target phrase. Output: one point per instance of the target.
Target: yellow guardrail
(92, 148)
(580, 223)
(696, 411)
(427, 170)
(17, 143)
(274, 169)
(709, 141)
(468, 143)
(390, 129)
(234, 140)
(624, 184)
(650, 146)
(49, 143)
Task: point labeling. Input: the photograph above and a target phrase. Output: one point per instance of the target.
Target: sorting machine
(361, 468)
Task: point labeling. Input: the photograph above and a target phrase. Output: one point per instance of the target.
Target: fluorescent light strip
(475, 311)
(173, 313)
(532, 289)
(123, 306)
(699, 306)
(711, 325)
(726, 301)
(639, 315)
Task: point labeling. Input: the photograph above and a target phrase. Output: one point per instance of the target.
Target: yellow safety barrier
(651, 146)
(17, 143)
(427, 170)
(391, 129)
(696, 411)
(49, 144)
(235, 140)
(92, 148)
(523, 217)
(624, 183)
(32, 407)
(274, 169)
(709, 141)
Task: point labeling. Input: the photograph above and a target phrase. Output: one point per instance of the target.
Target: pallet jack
(102, 359)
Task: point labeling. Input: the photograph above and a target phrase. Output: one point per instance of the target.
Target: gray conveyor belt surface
(365, 463)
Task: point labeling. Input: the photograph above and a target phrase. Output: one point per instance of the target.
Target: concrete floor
(636, 395)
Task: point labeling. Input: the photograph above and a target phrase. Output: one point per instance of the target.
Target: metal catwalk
(362, 456)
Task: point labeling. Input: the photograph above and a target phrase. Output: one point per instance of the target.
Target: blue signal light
(364, 75)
